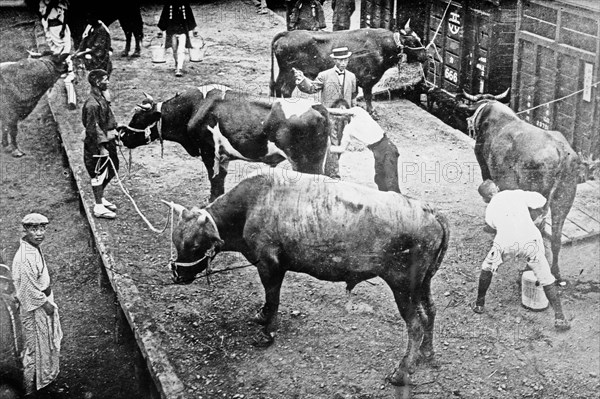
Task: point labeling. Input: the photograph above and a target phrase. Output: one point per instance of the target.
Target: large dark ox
(22, 84)
(517, 155)
(335, 232)
(227, 125)
(374, 51)
(128, 14)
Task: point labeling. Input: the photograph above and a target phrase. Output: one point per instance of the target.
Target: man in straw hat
(39, 313)
(516, 235)
(100, 147)
(333, 84)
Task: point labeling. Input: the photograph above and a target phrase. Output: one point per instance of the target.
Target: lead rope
(135, 205)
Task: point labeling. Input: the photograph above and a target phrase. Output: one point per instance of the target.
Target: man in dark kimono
(95, 46)
(307, 15)
(342, 11)
(177, 20)
(100, 148)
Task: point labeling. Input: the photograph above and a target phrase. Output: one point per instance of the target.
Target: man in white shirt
(364, 129)
(516, 236)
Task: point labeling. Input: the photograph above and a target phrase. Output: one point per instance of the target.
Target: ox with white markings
(332, 231)
(221, 125)
(373, 52)
(517, 155)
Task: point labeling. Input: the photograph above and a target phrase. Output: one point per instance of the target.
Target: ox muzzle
(186, 272)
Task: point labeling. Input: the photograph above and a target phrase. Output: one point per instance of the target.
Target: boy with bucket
(516, 235)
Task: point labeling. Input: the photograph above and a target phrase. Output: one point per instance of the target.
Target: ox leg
(271, 276)
(217, 181)
(125, 52)
(408, 305)
(138, 44)
(485, 171)
(285, 84)
(427, 312)
(368, 94)
(560, 207)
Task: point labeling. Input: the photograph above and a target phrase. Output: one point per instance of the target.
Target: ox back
(373, 52)
(327, 228)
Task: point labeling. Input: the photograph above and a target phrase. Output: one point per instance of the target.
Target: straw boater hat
(34, 219)
(340, 53)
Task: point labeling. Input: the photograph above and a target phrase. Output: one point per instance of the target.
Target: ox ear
(210, 229)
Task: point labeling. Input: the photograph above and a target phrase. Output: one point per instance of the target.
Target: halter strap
(471, 121)
(210, 253)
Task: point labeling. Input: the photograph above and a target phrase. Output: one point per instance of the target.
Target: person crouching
(100, 147)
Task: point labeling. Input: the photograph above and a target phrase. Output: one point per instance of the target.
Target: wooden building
(473, 45)
(556, 69)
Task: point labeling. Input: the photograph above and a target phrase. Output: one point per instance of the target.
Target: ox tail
(441, 219)
(272, 81)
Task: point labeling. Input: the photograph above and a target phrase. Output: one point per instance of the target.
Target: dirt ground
(328, 345)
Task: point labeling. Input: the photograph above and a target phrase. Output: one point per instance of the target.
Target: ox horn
(407, 26)
(340, 111)
(176, 207)
(148, 96)
(502, 96)
(471, 97)
(145, 107)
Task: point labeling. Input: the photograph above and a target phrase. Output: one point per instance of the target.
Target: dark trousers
(386, 165)
(95, 166)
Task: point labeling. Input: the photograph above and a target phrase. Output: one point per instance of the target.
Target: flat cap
(34, 218)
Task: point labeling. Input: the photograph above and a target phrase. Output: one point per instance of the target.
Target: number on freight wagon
(451, 75)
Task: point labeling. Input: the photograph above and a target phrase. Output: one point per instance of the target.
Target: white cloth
(362, 128)
(516, 234)
(57, 44)
(508, 213)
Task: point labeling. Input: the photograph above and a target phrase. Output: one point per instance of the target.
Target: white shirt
(362, 128)
(508, 213)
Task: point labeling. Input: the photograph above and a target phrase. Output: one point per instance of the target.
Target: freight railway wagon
(557, 55)
(474, 43)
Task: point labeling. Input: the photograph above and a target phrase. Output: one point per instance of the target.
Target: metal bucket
(532, 293)
(196, 54)
(158, 54)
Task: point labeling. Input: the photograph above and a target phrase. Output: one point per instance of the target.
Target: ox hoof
(136, 53)
(263, 340)
(561, 325)
(125, 53)
(398, 378)
(260, 318)
(429, 358)
(479, 309)
(16, 153)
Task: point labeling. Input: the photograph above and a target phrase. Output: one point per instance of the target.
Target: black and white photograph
(300, 199)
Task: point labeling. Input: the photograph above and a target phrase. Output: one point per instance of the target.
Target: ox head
(197, 241)
(139, 131)
(410, 43)
(473, 102)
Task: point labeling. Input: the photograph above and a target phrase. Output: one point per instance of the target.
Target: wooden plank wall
(557, 53)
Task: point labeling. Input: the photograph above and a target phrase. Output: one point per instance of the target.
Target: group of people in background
(309, 14)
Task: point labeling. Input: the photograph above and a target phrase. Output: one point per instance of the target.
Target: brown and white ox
(226, 125)
(517, 155)
(332, 231)
(374, 51)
